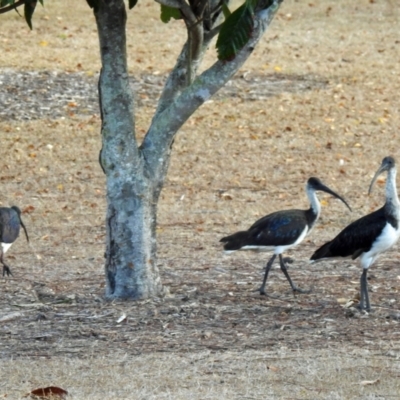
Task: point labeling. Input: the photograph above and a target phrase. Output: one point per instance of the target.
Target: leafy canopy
(29, 8)
(234, 33)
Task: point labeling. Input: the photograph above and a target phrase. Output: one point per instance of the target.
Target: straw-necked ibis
(280, 231)
(10, 223)
(370, 235)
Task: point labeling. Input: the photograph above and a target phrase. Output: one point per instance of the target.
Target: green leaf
(4, 3)
(169, 12)
(225, 10)
(132, 3)
(29, 8)
(236, 31)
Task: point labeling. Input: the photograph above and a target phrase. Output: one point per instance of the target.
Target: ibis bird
(10, 223)
(370, 235)
(280, 231)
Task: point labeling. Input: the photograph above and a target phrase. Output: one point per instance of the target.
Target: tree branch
(12, 6)
(188, 60)
(169, 3)
(177, 79)
(176, 82)
(211, 34)
(194, 49)
(195, 39)
(156, 144)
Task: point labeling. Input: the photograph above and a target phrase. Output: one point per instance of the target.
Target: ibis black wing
(9, 225)
(280, 228)
(355, 239)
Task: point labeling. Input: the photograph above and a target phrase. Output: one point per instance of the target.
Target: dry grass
(282, 374)
(213, 337)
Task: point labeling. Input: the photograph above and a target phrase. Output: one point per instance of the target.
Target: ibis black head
(316, 184)
(18, 211)
(387, 164)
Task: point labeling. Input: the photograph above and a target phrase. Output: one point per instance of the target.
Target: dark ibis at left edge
(10, 224)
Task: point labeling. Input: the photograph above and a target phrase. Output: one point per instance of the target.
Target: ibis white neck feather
(391, 190)
(314, 202)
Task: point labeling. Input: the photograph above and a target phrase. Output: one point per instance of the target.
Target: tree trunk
(131, 241)
(135, 175)
(132, 194)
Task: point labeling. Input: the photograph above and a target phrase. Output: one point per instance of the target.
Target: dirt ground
(319, 97)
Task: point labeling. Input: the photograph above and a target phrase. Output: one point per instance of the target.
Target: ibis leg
(285, 271)
(6, 269)
(364, 297)
(267, 269)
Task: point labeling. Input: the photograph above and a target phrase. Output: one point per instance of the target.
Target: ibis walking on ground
(10, 223)
(280, 231)
(370, 235)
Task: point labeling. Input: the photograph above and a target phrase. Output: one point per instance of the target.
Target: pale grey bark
(131, 270)
(135, 175)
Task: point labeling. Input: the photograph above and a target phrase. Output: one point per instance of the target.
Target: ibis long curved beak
(23, 226)
(330, 191)
(387, 163)
(324, 188)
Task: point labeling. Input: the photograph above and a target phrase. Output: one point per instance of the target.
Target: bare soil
(319, 97)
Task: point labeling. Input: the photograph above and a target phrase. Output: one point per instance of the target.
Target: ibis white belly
(5, 246)
(384, 241)
(276, 249)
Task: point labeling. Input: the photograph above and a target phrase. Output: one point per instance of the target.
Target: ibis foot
(6, 271)
(303, 291)
(361, 308)
(262, 292)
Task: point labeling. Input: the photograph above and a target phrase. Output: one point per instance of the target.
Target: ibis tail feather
(235, 241)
